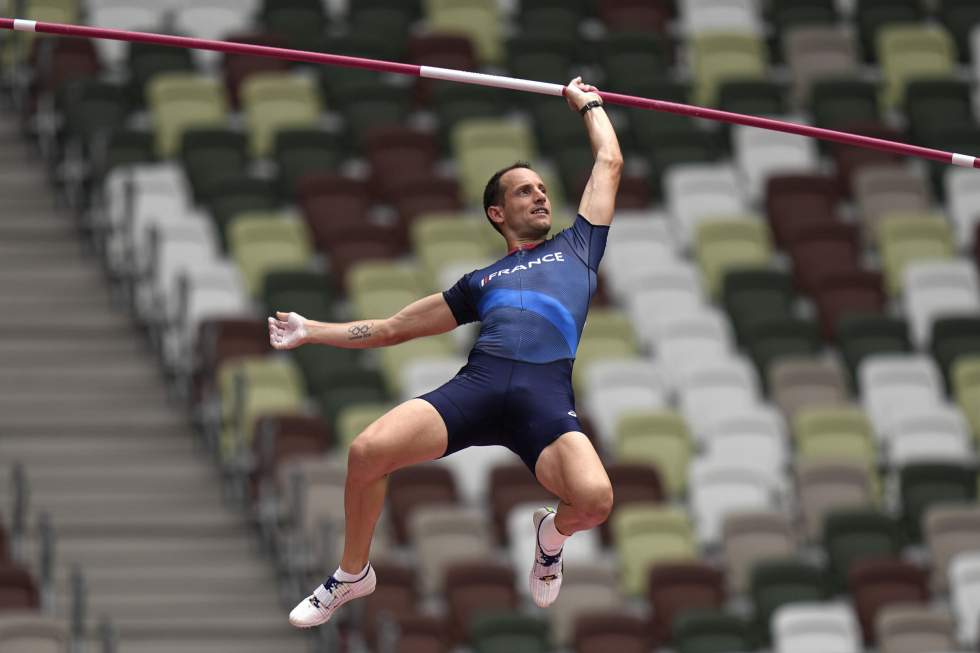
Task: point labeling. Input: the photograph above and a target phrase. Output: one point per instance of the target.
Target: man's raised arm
(599, 198)
(426, 317)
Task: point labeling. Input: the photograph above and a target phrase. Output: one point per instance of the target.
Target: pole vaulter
(465, 77)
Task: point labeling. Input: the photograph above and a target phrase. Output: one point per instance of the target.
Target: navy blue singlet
(516, 388)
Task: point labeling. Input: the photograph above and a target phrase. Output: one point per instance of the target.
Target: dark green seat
(508, 632)
(779, 582)
(859, 336)
(839, 103)
(951, 138)
(554, 125)
(145, 60)
(453, 102)
(299, 23)
(92, 109)
(230, 196)
(328, 368)
(852, 535)
(922, 485)
(541, 57)
(787, 14)
(553, 17)
(372, 104)
(370, 389)
(337, 81)
(930, 103)
(770, 339)
(628, 58)
(123, 147)
(391, 22)
(689, 145)
(960, 17)
(755, 97)
(574, 167)
(308, 293)
(211, 154)
(751, 295)
(711, 631)
(871, 15)
(953, 337)
(301, 151)
(648, 128)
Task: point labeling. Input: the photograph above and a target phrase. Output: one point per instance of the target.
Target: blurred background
(781, 368)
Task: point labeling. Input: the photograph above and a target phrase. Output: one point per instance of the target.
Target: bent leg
(570, 468)
(410, 433)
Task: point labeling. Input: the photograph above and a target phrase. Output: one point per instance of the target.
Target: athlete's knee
(594, 502)
(365, 458)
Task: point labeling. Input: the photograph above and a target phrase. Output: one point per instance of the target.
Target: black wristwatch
(589, 106)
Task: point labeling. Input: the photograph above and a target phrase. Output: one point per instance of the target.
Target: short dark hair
(493, 193)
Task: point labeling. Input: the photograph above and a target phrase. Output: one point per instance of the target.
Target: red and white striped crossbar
(498, 81)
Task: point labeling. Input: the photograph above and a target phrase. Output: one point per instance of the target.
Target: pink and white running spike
(498, 81)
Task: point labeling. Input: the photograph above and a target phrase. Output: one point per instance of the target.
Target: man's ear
(496, 214)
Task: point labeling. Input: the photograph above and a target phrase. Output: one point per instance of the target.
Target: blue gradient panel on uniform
(529, 300)
(533, 302)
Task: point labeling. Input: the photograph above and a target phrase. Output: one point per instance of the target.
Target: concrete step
(298, 643)
(82, 382)
(36, 451)
(192, 473)
(136, 551)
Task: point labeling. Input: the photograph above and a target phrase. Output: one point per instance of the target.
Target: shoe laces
(547, 559)
(331, 584)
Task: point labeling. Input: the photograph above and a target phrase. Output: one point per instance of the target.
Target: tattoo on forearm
(359, 331)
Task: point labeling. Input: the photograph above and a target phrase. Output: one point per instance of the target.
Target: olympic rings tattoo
(359, 331)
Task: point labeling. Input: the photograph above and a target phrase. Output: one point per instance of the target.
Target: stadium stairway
(133, 500)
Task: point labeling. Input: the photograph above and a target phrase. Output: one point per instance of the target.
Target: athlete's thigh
(412, 432)
(569, 467)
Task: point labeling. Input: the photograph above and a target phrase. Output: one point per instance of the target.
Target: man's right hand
(287, 330)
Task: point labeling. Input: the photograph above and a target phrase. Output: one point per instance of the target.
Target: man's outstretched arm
(599, 198)
(426, 317)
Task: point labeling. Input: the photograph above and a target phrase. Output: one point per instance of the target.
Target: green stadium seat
(299, 23)
(841, 103)
(852, 535)
(299, 151)
(231, 196)
(644, 535)
(773, 339)
(954, 338)
(145, 61)
(268, 242)
(752, 295)
(179, 101)
(872, 16)
(721, 57)
(775, 583)
(926, 484)
(959, 17)
(632, 60)
(513, 632)
(932, 104)
(211, 154)
(834, 433)
(910, 52)
(478, 19)
(723, 245)
(660, 439)
(907, 238)
(859, 336)
(272, 101)
(711, 631)
(966, 389)
(308, 293)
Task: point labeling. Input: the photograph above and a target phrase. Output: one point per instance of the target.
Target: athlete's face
(526, 208)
